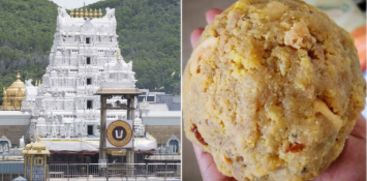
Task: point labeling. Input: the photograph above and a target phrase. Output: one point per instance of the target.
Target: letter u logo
(119, 133)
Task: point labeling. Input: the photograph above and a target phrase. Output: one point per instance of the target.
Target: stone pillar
(102, 143)
(128, 102)
(130, 155)
(131, 109)
(130, 161)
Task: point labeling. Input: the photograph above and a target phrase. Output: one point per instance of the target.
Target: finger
(195, 35)
(359, 129)
(350, 165)
(207, 166)
(211, 13)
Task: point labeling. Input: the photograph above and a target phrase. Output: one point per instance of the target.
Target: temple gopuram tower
(84, 53)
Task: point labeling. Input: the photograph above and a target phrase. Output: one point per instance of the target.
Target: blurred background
(349, 14)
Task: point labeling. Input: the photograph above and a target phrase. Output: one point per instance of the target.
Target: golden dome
(17, 88)
(14, 95)
(36, 148)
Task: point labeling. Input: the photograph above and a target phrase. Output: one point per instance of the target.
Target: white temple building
(84, 56)
(62, 109)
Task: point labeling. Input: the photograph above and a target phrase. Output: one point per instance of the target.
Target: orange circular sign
(119, 133)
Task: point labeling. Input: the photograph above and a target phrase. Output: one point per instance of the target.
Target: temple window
(89, 104)
(88, 61)
(150, 98)
(87, 40)
(89, 81)
(90, 130)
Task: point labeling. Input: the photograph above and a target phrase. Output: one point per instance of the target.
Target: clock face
(119, 133)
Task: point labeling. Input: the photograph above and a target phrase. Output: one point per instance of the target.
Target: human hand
(208, 169)
(349, 166)
(351, 163)
(359, 35)
(209, 16)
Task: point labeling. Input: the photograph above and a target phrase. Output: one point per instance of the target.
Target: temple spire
(72, 13)
(85, 13)
(77, 13)
(99, 13)
(95, 13)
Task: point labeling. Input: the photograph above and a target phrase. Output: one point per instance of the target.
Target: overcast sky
(71, 4)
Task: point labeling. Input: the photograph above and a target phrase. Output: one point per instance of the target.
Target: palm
(351, 164)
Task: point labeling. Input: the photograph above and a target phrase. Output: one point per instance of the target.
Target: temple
(63, 108)
(85, 52)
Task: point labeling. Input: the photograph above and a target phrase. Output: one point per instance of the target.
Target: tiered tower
(84, 54)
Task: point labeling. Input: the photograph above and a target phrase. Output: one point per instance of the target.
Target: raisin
(228, 160)
(198, 70)
(198, 136)
(296, 147)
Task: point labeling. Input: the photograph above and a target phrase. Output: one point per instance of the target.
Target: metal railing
(10, 170)
(91, 171)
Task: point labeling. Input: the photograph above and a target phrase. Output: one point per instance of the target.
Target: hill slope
(26, 31)
(149, 35)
